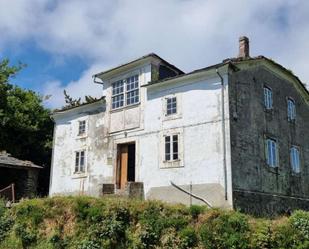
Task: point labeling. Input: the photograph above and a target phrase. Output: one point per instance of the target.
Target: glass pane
(76, 161)
(167, 148)
(175, 147)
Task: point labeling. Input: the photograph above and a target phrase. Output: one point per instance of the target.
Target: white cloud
(76, 89)
(190, 34)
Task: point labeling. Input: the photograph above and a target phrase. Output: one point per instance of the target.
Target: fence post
(13, 192)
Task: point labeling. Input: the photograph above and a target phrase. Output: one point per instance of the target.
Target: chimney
(243, 47)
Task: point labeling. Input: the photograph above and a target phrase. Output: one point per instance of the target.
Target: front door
(125, 164)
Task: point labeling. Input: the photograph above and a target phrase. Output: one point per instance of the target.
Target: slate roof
(233, 61)
(138, 59)
(6, 160)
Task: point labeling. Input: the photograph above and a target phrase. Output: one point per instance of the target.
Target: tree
(25, 124)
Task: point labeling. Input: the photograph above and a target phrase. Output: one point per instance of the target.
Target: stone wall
(25, 181)
(249, 125)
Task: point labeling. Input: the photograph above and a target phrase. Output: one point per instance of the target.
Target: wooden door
(123, 166)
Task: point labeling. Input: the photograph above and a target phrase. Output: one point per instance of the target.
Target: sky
(65, 42)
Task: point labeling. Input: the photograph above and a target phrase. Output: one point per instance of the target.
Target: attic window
(125, 92)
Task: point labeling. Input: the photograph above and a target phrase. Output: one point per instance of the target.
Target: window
(79, 161)
(291, 109)
(125, 91)
(171, 106)
(132, 90)
(268, 98)
(171, 148)
(117, 95)
(295, 159)
(81, 127)
(271, 152)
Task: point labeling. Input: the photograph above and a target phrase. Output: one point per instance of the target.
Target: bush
(113, 223)
(226, 230)
(196, 210)
(188, 238)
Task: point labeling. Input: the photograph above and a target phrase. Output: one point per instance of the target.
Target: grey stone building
(269, 133)
(23, 174)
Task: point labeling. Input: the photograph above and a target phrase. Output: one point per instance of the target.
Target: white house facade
(150, 131)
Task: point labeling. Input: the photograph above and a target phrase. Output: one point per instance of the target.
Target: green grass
(91, 223)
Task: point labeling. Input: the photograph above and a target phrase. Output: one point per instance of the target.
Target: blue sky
(64, 43)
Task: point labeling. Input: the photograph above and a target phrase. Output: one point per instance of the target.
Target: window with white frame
(268, 98)
(295, 159)
(271, 152)
(80, 161)
(81, 127)
(132, 93)
(171, 106)
(125, 92)
(171, 148)
(118, 94)
(291, 109)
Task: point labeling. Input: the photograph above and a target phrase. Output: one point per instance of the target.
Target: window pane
(295, 159)
(175, 147)
(271, 152)
(117, 101)
(117, 87)
(82, 161)
(171, 106)
(76, 161)
(132, 97)
(82, 127)
(167, 148)
(291, 109)
(268, 101)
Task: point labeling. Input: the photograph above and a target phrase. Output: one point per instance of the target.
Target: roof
(67, 108)
(261, 57)
(233, 61)
(6, 160)
(138, 59)
(190, 73)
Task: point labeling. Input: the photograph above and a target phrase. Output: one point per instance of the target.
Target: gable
(279, 71)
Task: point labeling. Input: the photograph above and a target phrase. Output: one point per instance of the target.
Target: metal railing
(190, 194)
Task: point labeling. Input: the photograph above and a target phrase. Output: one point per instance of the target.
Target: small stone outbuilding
(23, 174)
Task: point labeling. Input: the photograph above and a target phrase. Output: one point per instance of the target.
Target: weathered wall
(199, 124)
(66, 141)
(252, 178)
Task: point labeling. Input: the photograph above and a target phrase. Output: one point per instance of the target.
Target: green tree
(25, 124)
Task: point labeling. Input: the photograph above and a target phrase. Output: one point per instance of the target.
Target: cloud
(190, 34)
(76, 89)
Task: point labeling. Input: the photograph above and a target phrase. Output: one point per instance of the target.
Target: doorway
(125, 164)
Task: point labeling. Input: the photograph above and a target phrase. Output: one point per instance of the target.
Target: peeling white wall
(198, 121)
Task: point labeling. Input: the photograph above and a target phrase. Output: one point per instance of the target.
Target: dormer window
(125, 92)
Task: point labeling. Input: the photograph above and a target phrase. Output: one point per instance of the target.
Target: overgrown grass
(92, 223)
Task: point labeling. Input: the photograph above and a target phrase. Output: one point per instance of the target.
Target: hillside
(91, 223)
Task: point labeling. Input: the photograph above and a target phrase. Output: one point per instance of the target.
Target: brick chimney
(243, 47)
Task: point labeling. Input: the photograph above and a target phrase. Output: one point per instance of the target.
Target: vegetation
(25, 125)
(91, 223)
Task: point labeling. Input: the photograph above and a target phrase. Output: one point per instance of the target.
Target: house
(235, 134)
(18, 178)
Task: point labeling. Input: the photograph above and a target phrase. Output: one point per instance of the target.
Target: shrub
(196, 210)
(188, 238)
(300, 221)
(6, 221)
(227, 230)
